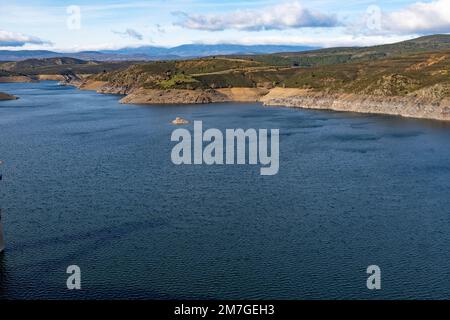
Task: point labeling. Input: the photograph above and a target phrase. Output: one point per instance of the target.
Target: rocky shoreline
(405, 106)
(171, 96)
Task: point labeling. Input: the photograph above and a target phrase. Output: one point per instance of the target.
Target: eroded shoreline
(405, 106)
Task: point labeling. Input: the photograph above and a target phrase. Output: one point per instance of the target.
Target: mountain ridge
(153, 52)
(190, 51)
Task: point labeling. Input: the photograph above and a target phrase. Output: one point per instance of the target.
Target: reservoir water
(89, 182)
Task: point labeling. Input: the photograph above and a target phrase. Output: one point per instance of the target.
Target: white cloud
(421, 17)
(131, 33)
(15, 39)
(318, 40)
(279, 17)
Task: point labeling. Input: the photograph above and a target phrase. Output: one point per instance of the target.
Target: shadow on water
(101, 234)
(3, 275)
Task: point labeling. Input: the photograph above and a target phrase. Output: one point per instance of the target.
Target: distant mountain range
(155, 53)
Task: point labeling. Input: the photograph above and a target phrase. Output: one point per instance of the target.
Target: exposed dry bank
(405, 106)
(415, 106)
(426, 104)
(410, 79)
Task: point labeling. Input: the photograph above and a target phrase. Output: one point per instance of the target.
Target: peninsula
(409, 79)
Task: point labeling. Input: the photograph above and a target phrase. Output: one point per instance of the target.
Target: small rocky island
(180, 121)
(5, 96)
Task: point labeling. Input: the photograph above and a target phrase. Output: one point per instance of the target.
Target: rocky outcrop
(180, 121)
(184, 96)
(5, 96)
(174, 96)
(406, 106)
(71, 79)
(104, 87)
(436, 93)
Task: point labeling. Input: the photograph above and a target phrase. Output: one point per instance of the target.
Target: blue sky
(113, 24)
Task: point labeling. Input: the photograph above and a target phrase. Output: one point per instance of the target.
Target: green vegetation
(178, 81)
(4, 73)
(348, 55)
(416, 67)
(397, 75)
(52, 66)
(187, 74)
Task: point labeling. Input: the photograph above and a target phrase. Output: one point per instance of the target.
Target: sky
(80, 25)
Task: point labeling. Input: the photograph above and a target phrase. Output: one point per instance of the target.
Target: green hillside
(50, 66)
(415, 67)
(397, 75)
(345, 55)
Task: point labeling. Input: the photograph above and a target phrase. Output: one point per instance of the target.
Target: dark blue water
(89, 181)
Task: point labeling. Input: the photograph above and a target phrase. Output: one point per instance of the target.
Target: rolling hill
(415, 67)
(355, 54)
(52, 66)
(409, 78)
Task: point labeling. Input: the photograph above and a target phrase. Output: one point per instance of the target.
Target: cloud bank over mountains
(417, 18)
(279, 17)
